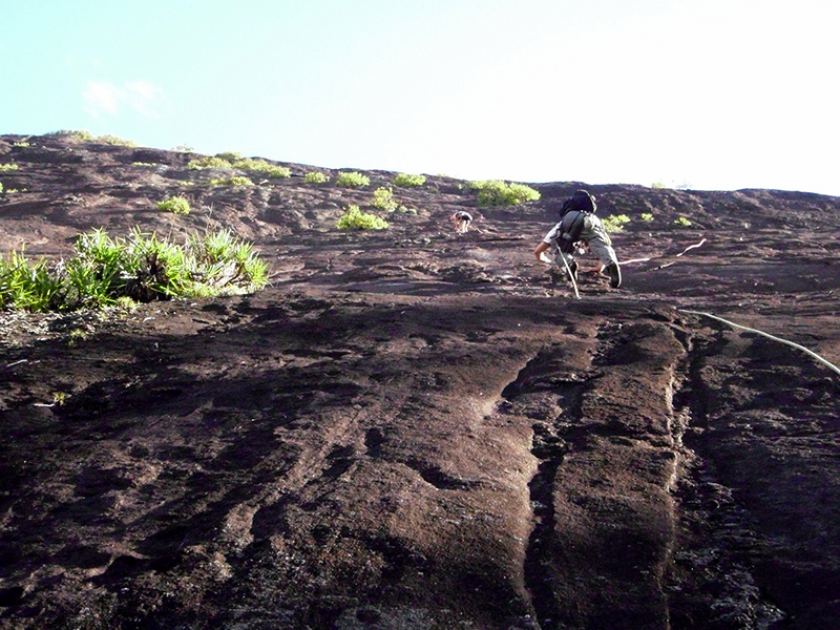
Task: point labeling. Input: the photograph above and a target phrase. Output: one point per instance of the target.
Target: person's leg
(600, 244)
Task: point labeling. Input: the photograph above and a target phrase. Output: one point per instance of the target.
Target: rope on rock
(814, 355)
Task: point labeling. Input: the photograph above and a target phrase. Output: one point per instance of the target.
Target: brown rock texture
(415, 429)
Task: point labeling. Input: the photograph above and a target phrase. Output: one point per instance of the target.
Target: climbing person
(461, 221)
(578, 224)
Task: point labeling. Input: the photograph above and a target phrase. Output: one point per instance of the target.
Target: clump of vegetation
(355, 219)
(208, 161)
(615, 222)
(144, 164)
(498, 193)
(315, 177)
(682, 222)
(230, 156)
(231, 181)
(22, 144)
(178, 205)
(352, 180)
(86, 136)
(383, 198)
(143, 268)
(403, 180)
(1, 187)
(9, 167)
(647, 217)
(262, 167)
(114, 140)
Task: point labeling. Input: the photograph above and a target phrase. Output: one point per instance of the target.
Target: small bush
(647, 217)
(85, 136)
(498, 193)
(682, 222)
(409, 181)
(352, 180)
(230, 156)
(208, 162)
(383, 198)
(143, 268)
(1, 187)
(315, 177)
(115, 141)
(9, 167)
(178, 205)
(231, 181)
(262, 167)
(355, 219)
(615, 223)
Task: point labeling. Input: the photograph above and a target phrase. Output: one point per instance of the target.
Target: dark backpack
(581, 201)
(584, 204)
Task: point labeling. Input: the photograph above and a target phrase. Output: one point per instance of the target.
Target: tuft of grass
(108, 272)
(315, 177)
(352, 179)
(615, 222)
(231, 181)
(262, 167)
(355, 219)
(403, 180)
(178, 205)
(383, 198)
(9, 167)
(208, 161)
(647, 217)
(682, 222)
(115, 141)
(498, 193)
(230, 156)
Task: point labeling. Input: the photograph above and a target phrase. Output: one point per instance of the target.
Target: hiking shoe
(614, 273)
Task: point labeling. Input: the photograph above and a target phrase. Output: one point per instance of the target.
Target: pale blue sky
(713, 94)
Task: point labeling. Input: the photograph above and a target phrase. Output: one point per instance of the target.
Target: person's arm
(540, 249)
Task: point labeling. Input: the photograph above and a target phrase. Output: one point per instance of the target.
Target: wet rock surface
(415, 429)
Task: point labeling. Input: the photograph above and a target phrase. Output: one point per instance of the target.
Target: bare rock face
(414, 429)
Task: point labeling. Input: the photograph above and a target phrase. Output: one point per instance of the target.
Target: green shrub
(383, 198)
(315, 177)
(231, 181)
(409, 181)
(114, 140)
(208, 162)
(263, 167)
(71, 133)
(22, 144)
(355, 219)
(144, 164)
(9, 167)
(230, 156)
(615, 223)
(1, 187)
(178, 205)
(682, 222)
(647, 217)
(352, 180)
(498, 193)
(143, 268)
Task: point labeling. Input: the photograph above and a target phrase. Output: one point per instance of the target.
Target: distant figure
(578, 224)
(461, 221)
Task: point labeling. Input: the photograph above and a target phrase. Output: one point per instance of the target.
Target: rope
(812, 354)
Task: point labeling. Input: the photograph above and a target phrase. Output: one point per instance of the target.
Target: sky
(700, 94)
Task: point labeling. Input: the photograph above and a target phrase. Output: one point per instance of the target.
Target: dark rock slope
(414, 429)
